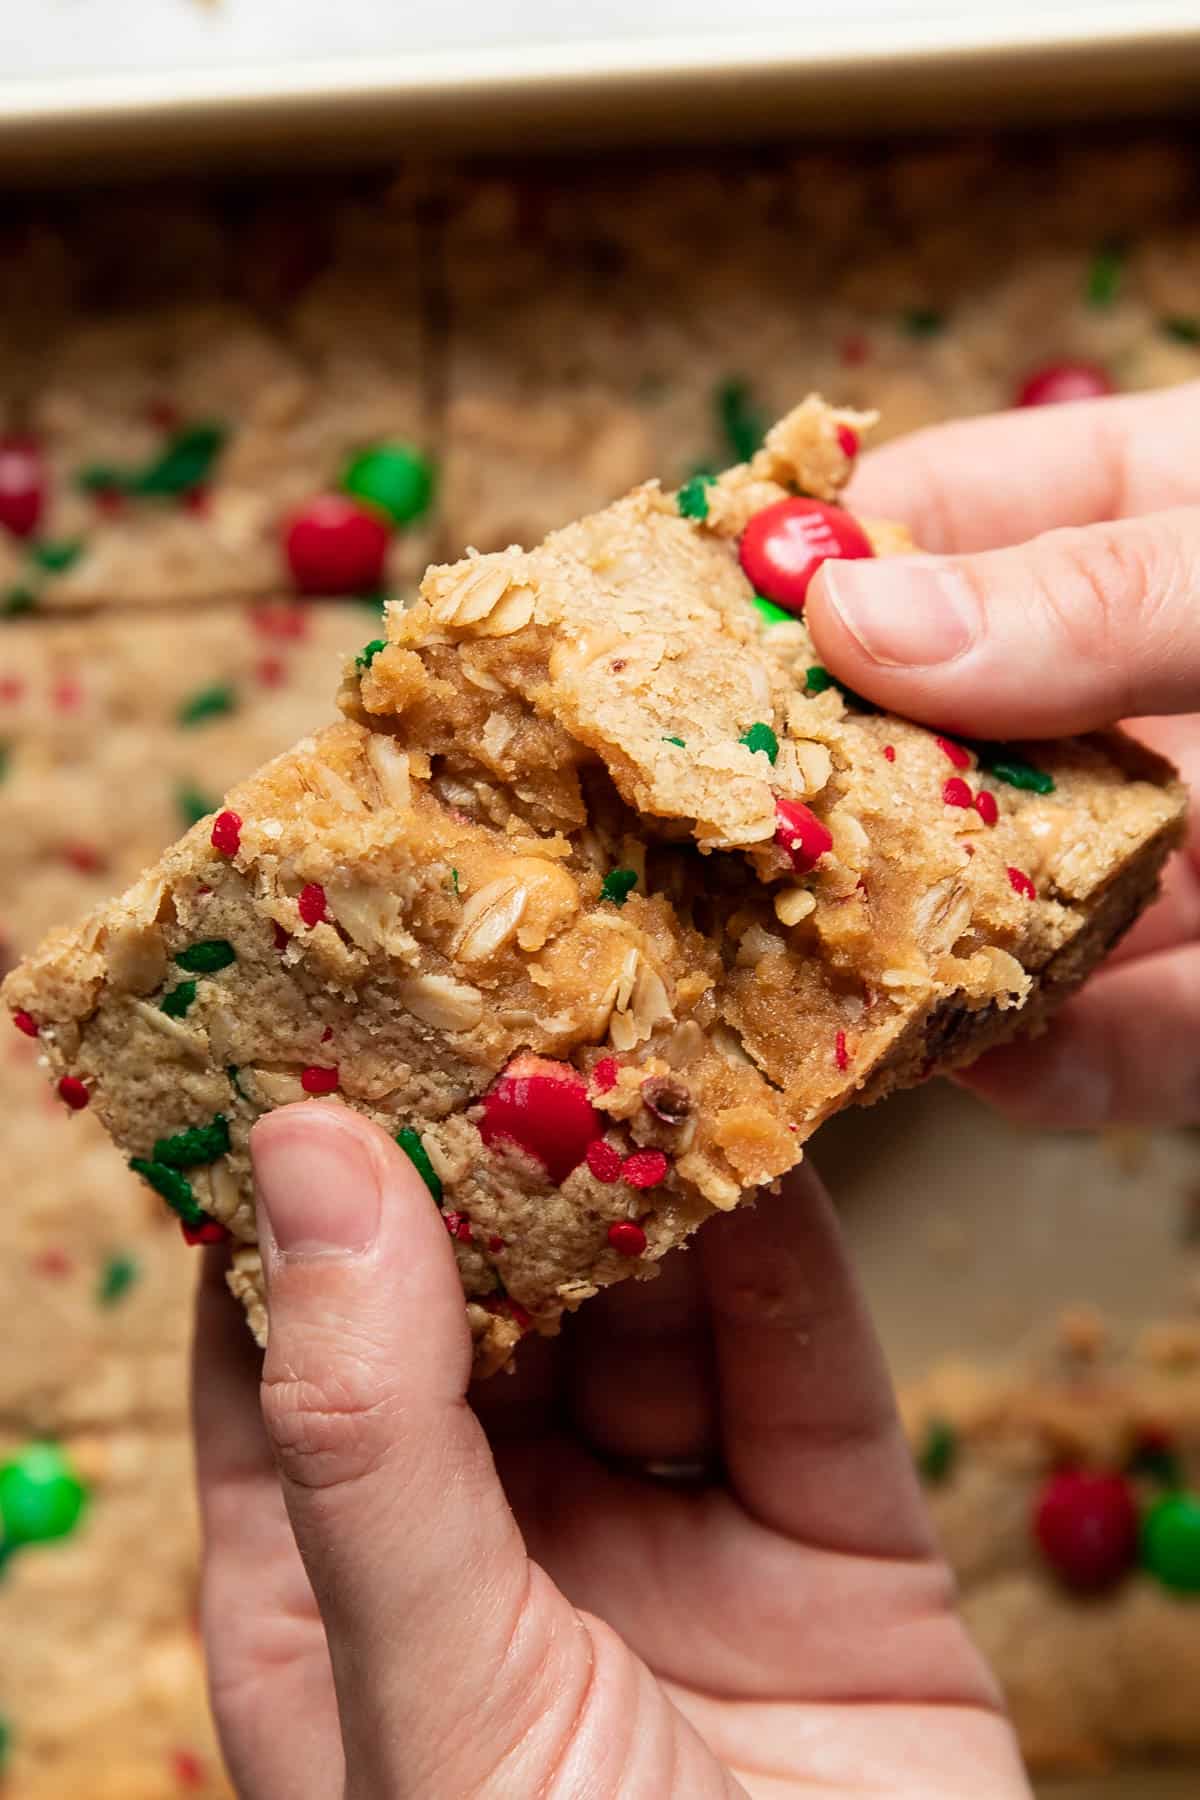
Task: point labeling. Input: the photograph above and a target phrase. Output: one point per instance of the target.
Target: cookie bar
(1067, 1497)
(595, 902)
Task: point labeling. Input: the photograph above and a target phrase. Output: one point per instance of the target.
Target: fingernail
(317, 1186)
(904, 611)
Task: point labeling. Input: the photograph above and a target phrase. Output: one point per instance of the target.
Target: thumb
(433, 1613)
(1073, 630)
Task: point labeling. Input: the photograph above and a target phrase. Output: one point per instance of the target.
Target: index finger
(982, 484)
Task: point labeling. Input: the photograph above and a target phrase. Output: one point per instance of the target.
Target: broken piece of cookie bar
(600, 899)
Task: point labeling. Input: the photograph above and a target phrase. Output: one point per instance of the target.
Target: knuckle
(326, 1431)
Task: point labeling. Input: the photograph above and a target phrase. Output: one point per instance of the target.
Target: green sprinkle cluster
(410, 1142)
(1103, 284)
(740, 421)
(769, 613)
(617, 885)
(174, 1188)
(1181, 329)
(175, 1003)
(206, 956)
(761, 737)
(692, 498)
(207, 703)
(118, 1275)
(198, 1144)
(187, 462)
(369, 652)
(1014, 770)
(938, 1451)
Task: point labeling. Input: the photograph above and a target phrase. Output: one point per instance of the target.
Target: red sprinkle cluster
(311, 904)
(22, 485)
(459, 1226)
(317, 1080)
(604, 1160)
(841, 1055)
(605, 1073)
(211, 1232)
(280, 619)
(227, 833)
(644, 1168)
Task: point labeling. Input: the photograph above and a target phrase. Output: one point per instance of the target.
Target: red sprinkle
(271, 671)
(84, 858)
(459, 1226)
(54, 1262)
(1021, 884)
(1057, 382)
(11, 687)
(841, 1055)
(604, 1160)
(22, 485)
(955, 792)
(785, 544)
(495, 1244)
(327, 1034)
(335, 546)
(644, 1168)
(163, 414)
(801, 834)
(626, 1237)
(66, 694)
(196, 500)
(227, 833)
(280, 619)
(187, 1769)
(74, 1092)
(282, 940)
(847, 442)
(211, 1232)
(854, 350)
(25, 1022)
(311, 904)
(960, 757)
(1086, 1525)
(110, 501)
(316, 1080)
(605, 1073)
(542, 1107)
(889, 751)
(985, 806)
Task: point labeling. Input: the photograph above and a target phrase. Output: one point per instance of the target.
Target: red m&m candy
(785, 544)
(542, 1107)
(1062, 381)
(1086, 1524)
(22, 485)
(334, 545)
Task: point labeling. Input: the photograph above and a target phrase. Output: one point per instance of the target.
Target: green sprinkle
(817, 679)
(761, 737)
(394, 477)
(102, 478)
(198, 1144)
(769, 613)
(617, 885)
(231, 1069)
(410, 1142)
(192, 805)
(186, 462)
(116, 1278)
(1103, 284)
(938, 1452)
(207, 956)
(18, 600)
(692, 498)
(738, 419)
(675, 740)
(369, 652)
(175, 1189)
(923, 321)
(55, 557)
(452, 882)
(1183, 330)
(5, 1742)
(176, 1003)
(374, 602)
(1157, 1462)
(5, 759)
(1013, 769)
(207, 703)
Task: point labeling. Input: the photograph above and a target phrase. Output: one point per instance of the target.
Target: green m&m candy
(394, 477)
(40, 1497)
(1170, 1544)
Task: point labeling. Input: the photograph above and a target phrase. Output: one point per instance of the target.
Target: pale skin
(416, 1589)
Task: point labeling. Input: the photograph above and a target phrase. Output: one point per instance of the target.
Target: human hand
(494, 1597)
(1064, 597)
